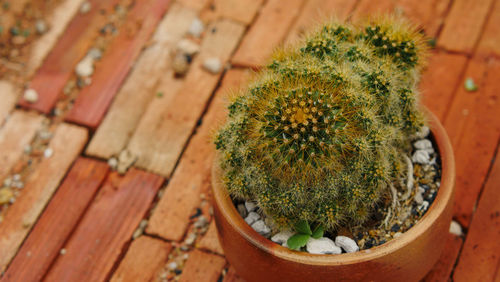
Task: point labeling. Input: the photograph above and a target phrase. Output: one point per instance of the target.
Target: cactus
(321, 132)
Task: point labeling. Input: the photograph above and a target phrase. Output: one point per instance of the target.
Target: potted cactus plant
(319, 142)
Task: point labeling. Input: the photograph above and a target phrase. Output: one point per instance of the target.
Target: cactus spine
(322, 131)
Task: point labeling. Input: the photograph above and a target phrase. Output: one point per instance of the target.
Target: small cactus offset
(322, 131)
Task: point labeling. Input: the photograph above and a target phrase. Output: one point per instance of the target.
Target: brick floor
(77, 218)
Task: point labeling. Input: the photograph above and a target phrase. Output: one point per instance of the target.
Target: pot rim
(445, 194)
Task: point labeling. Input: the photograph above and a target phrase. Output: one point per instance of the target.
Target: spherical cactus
(323, 130)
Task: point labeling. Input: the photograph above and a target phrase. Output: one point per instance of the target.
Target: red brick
(489, 42)
(210, 240)
(17, 133)
(9, 99)
(443, 268)
(58, 67)
(168, 121)
(40, 185)
(58, 20)
(242, 11)
(201, 266)
(464, 24)
(94, 100)
(232, 276)
(144, 259)
(440, 81)
(474, 130)
(192, 174)
(315, 11)
(107, 226)
(267, 32)
(480, 256)
(428, 14)
(57, 221)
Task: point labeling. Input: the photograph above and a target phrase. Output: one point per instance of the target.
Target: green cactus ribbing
(322, 131)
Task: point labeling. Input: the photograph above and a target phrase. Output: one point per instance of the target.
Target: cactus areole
(321, 133)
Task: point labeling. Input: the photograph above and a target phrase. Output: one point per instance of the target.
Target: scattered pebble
(94, 53)
(470, 85)
(6, 195)
(30, 95)
(180, 64)
(62, 251)
(261, 228)
(282, 237)
(250, 206)
(421, 157)
(252, 217)
(113, 163)
(172, 265)
(201, 222)
(322, 245)
(190, 239)
(456, 229)
(125, 160)
(419, 198)
(85, 67)
(188, 47)
(212, 65)
(7, 182)
(40, 26)
(48, 153)
(85, 7)
(196, 28)
(347, 244)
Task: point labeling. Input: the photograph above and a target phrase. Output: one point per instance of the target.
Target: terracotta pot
(406, 258)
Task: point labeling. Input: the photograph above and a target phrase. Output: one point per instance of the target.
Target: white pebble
(48, 153)
(30, 95)
(346, 243)
(188, 47)
(424, 206)
(261, 228)
(40, 26)
(282, 237)
(94, 53)
(322, 246)
(212, 65)
(85, 67)
(456, 229)
(113, 163)
(423, 133)
(85, 7)
(422, 144)
(252, 217)
(172, 265)
(196, 28)
(62, 251)
(250, 206)
(419, 198)
(421, 157)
